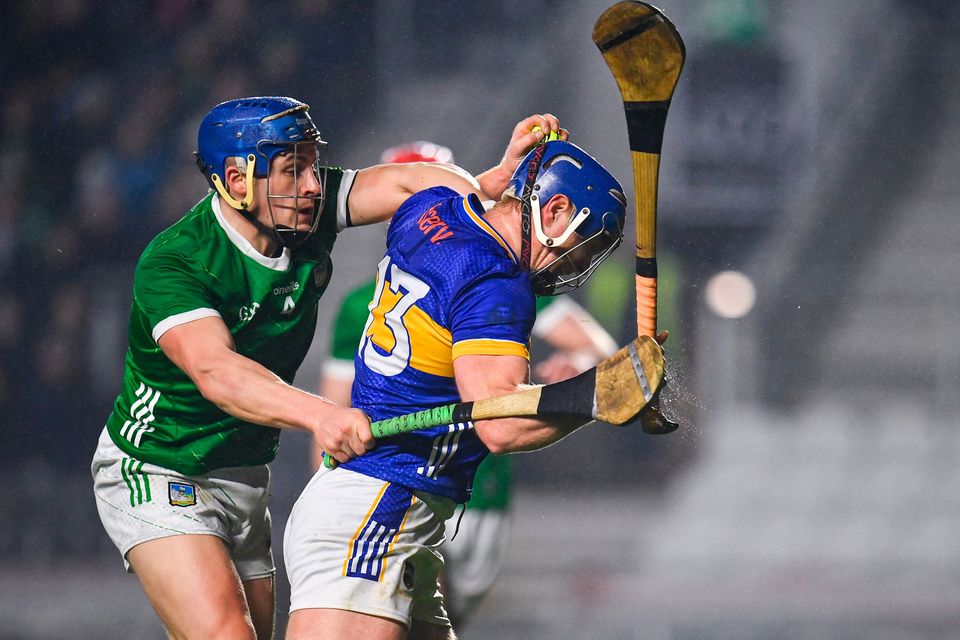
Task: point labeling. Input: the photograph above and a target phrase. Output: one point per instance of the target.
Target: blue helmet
(566, 168)
(561, 167)
(255, 129)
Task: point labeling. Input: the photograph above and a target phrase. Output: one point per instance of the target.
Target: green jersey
(202, 267)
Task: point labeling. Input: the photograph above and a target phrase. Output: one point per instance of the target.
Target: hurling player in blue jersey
(450, 320)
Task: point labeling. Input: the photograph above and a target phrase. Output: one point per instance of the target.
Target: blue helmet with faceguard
(561, 167)
(255, 129)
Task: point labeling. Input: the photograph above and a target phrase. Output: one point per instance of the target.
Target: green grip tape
(404, 424)
(413, 421)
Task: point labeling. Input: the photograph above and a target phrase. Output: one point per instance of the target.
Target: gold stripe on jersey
(430, 343)
(490, 347)
(483, 224)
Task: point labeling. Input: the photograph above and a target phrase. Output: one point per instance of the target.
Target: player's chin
(301, 220)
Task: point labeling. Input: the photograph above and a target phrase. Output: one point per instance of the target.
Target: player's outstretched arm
(527, 134)
(204, 350)
(479, 377)
(379, 191)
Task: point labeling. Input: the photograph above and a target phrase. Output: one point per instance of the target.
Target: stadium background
(813, 146)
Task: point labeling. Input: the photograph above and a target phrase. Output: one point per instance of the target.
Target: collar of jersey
(280, 263)
(472, 207)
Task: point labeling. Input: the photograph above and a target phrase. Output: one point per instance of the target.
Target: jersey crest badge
(247, 313)
(182, 494)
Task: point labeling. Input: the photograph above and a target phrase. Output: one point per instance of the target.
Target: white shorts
(138, 502)
(473, 557)
(362, 544)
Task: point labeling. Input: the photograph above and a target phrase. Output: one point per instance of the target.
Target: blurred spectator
(99, 111)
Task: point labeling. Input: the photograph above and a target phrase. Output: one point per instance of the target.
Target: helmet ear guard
(542, 237)
(225, 193)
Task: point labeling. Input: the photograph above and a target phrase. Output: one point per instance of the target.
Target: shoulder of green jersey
(337, 369)
(346, 184)
(280, 263)
(181, 318)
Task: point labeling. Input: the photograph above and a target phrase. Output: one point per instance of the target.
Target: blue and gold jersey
(448, 286)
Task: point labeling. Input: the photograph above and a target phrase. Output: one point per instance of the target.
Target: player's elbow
(211, 391)
(498, 448)
(214, 386)
(497, 437)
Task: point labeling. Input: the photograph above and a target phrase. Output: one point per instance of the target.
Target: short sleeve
(336, 213)
(168, 291)
(493, 316)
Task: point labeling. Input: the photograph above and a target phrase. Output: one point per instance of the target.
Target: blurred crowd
(99, 111)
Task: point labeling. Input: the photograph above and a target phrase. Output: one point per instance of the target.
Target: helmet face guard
(294, 236)
(258, 130)
(574, 266)
(560, 167)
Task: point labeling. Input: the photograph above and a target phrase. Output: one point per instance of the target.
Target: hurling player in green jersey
(224, 310)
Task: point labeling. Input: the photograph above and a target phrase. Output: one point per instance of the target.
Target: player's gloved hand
(344, 433)
(652, 419)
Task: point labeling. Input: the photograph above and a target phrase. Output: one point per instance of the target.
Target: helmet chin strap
(533, 169)
(240, 205)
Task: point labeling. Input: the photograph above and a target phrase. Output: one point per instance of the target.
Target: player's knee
(220, 627)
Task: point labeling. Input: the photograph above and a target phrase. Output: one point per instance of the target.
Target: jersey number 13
(393, 298)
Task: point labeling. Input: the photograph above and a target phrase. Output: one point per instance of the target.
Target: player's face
(574, 261)
(292, 188)
(576, 254)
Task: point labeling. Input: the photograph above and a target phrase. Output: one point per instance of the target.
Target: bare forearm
(249, 391)
(379, 191)
(493, 182)
(512, 435)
